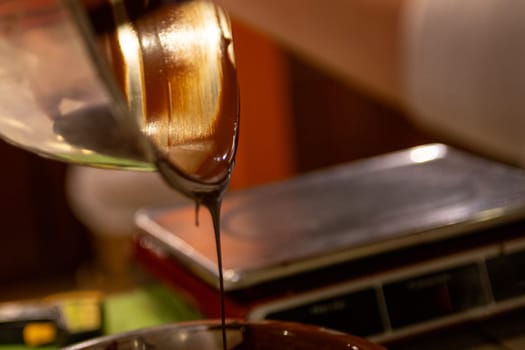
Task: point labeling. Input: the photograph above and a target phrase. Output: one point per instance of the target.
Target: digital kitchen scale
(383, 248)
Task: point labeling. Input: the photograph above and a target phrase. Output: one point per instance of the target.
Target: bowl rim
(348, 341)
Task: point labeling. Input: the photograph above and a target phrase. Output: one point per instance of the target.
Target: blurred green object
(147, 306)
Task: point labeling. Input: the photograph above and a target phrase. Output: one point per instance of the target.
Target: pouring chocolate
(142, 85)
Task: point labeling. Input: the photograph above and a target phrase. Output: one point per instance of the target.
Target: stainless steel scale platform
(386, 248)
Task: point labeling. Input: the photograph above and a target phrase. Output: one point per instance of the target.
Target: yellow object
(81, 310)
(82, 315)
(39, 333)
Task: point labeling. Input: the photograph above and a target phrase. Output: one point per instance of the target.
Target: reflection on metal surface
(427, 153)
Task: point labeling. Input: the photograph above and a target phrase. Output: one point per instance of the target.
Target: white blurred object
(464, 71)
(106, 200)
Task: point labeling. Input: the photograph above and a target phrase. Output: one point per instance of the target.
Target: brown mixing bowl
(241, 335)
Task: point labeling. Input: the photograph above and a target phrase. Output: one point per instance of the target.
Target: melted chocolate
(174, 65)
